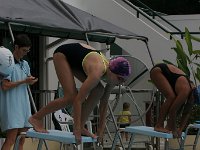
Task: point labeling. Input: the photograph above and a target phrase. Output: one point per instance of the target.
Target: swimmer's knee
(170, 96)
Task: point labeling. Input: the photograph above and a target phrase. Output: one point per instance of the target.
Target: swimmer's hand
(77, 135)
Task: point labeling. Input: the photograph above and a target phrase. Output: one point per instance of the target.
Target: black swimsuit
(170, 76)
(75, 53)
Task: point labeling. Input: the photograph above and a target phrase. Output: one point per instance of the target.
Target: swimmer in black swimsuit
(90, 67)
(169, 75)
(177, 88)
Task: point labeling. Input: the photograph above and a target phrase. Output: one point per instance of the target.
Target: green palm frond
(197, 74)
(187, 62)
(188, 41)
(195, 38)
(197, 52)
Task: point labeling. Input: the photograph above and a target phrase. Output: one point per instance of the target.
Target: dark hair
(22, 40)
(126, 106)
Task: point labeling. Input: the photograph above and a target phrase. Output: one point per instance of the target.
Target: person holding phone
(14, 99)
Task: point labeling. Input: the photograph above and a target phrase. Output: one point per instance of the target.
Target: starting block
(196, 125)
(148, 131)
(55, 135)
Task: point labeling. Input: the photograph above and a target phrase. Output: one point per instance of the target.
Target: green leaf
(183, 67)
(197, 64)
(188, 41)
(196, 52)
(179, 45)
(197, 74)
(175, 49)
(181, 56)
(173, 38)
(195, 38)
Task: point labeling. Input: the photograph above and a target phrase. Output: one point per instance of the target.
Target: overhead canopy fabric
(58, 19)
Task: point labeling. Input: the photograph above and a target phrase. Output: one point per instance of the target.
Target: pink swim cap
(120, 66)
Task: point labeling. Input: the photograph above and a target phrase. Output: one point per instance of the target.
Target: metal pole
(34, 108)
(31, 100)
(116, 127)
(11, 33)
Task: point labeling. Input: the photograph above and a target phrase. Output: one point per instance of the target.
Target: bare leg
(163, 86)
(160, 123)
(66, 79)
(36, 119)
(22, 140)
(10, 139)
(182, 91)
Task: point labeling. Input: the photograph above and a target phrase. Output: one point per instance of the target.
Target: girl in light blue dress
(14, 99)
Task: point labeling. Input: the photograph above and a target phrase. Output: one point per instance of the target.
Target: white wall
(159, 42)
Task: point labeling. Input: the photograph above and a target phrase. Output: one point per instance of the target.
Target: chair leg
(196, 140)
(61, 146)
(40, 144)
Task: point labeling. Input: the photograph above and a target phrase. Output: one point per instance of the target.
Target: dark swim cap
(120, 66)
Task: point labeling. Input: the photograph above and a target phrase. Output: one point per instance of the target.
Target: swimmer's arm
(103, 110)
(91, 82)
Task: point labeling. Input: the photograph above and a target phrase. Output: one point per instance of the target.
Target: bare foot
(161, 129)
(87, 133)
(78, 138)
(37, 125)
(175, 134)
(179, 132)
(168, 128)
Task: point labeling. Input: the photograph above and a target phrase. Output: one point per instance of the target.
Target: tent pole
(11, 33)
(87, 40)
(145, 41)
